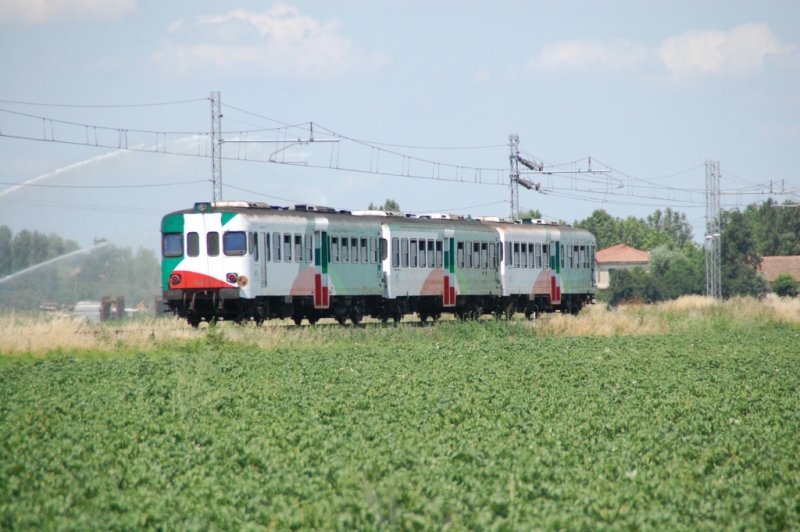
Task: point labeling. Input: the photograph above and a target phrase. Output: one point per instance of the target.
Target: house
(771, 267)
(619, 257)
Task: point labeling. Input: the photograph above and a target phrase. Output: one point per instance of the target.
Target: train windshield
(173, 244)
(234, 243)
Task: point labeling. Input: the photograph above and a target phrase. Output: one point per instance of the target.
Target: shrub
(785, 285)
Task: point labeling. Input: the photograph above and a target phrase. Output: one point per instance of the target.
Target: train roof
(394, 218)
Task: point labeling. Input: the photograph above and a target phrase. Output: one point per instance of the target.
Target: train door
(449, 288)
(321, 289)
(556, 258)
(265, 254)
(211, 233)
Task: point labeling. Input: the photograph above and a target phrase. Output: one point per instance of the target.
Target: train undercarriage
(196, 306)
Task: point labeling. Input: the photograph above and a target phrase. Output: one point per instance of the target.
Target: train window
(431, 254)
(492, 256)
(212, 244)
(276, 247)
(584, 262)
(562, 256)
(334, 249)
(172, 245)
(354, 250)
(439, 254)
(484, 255)
(192, 244)
(460, 254)
(509, 254)
(345, 242)
(373, 243)
(298, 247)
(287, 247)
(395, 252)
(267, 248)
(364, 251)
(404, 252)
(468, 261)
(538, 254)
(384, 249)
(499, 253)
(476, 254)
(250, 242)
(523, 250)
(576, 257)
(255, 247)
(234, 243)
(309, 248)
(516, 254)
(546, 256)
(531, 258)
(413, 246)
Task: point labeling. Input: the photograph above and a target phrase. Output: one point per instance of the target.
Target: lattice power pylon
(513, 158)
(216, 147)
(713, 234)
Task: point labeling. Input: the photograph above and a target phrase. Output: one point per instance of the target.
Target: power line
(105, 186)
(103, 106)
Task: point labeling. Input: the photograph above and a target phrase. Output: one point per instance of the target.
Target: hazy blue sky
(650, 89)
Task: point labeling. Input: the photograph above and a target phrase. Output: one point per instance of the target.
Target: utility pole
(216, 148)
(712, 242)
(513, 158)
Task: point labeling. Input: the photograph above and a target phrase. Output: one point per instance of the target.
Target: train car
(440, 263)
(244, 261)
(241, 260)
(547, 266)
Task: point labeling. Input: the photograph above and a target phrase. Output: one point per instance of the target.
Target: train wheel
(423, 317)
(342, 319)
(194, 321)
(297, 320)
(396, 316)
(312, 319)
(355, 317)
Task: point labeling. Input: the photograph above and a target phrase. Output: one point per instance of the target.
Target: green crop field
(462, 426)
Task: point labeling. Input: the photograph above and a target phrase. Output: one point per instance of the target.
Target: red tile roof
(771, 267)
(621, 253)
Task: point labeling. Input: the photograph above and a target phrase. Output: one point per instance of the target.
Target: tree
(6, 256)
(633, 285)
(531, 214)
(672, 224)
(739, 257)
(785, 285)
(389, 205)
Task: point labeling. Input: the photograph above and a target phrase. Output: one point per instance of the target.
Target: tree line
(104, 271)
(677, 263)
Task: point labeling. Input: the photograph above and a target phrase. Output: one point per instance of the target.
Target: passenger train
(237, 260)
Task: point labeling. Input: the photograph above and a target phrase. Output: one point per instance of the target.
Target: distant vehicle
(240, 261)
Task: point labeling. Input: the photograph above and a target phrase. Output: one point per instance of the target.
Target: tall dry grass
(684, 314)
(38, 335)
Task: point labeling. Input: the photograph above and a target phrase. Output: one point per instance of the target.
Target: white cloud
(619, 54)
(281, 40)
(741, 50)
(44, 11)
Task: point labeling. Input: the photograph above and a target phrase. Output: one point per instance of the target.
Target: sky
(421, 96)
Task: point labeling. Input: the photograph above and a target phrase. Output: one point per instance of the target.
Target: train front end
(205, 273)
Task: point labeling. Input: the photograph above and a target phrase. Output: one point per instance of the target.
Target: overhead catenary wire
(102, 106)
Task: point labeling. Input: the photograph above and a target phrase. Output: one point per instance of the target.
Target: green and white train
(237, 260)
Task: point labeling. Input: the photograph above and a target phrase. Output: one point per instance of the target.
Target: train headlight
(242, 280)
(232, 277)
(175, 278)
